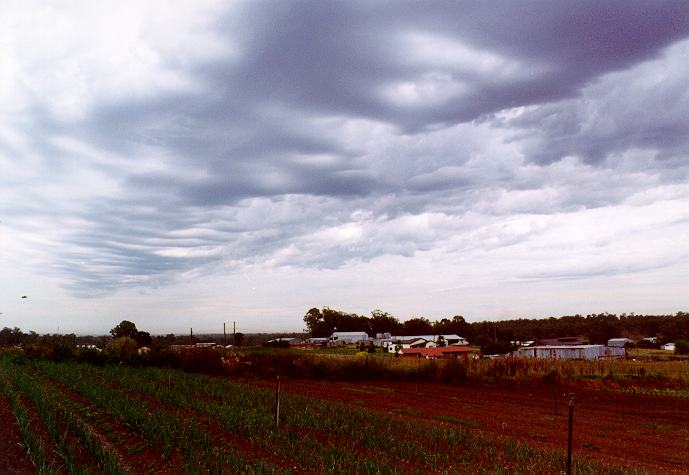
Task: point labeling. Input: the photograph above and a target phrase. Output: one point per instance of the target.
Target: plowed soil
(618, 429)
(13, 456)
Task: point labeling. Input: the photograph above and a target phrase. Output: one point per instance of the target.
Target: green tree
(682, 347)
(125, 328)
(143, 338)
(238, 339)
(417, 326)
(124, 347)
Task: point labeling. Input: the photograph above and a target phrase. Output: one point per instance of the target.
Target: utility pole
(234, 333)
(224, 334)
(191, 336)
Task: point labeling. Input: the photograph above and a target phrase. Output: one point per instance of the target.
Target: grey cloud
(248, 138)
(644, 108)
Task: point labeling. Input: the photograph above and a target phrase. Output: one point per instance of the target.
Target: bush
(92, 356)
(682, 347)
(62, 351)
(201, 360)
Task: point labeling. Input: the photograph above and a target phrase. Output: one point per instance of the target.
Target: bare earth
(647, 432)
(13, 457)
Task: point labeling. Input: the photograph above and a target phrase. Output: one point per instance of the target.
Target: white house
(668, 347)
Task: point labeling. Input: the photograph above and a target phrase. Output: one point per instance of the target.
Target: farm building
(286, 340)
(348, 338)
(317, 341)
(668, 347)
(449, 339)
(464, 352)
(571, 352)
(561, 341)
(619, 342)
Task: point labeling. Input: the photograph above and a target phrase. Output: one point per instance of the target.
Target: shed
(571, 352)
(349, 338)
(561, 341)
(619, 342)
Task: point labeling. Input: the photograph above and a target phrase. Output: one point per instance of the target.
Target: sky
(184, 164)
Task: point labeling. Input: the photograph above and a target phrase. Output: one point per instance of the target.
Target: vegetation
(497, 337)
(199, 424)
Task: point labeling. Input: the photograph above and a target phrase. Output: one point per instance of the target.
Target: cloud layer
(508, 144)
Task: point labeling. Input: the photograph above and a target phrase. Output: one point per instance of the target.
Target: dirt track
(636, 431)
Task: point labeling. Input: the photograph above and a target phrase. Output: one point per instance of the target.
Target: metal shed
(572, 352)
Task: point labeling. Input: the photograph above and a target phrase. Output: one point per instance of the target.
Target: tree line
(497, 336)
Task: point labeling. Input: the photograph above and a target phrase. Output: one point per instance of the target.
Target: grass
(455, 420)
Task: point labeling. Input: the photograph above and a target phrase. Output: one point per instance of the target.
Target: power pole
(224, 334)
(234, 333)
(191, 336)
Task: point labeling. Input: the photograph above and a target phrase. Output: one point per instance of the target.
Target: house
(620, 342)
(561, 341)
(464, 352)
(450, 339)
(668, 347)
(571, 352)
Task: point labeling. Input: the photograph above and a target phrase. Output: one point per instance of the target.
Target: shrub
(682, 347)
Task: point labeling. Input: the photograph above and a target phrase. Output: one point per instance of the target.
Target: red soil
(618, 429)
(14, 458)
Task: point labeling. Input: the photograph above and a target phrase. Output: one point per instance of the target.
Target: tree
(143, 338)
(125, 328)
(417, 326)
(682, 347)
(238, 339)
(124, 347)
(383, 322)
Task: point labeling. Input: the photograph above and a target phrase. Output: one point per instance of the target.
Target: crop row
(314, 436)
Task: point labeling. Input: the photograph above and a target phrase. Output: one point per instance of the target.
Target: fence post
(277, 403)
(569, 436)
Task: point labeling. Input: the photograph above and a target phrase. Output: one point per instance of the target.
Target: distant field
(79, 418)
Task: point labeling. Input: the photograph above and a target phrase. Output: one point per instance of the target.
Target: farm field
(631, 430)
(78, 418)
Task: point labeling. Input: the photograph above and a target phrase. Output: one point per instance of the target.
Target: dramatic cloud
(259, 158)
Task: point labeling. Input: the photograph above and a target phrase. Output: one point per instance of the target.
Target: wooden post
(569, 436)
(277, 403)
